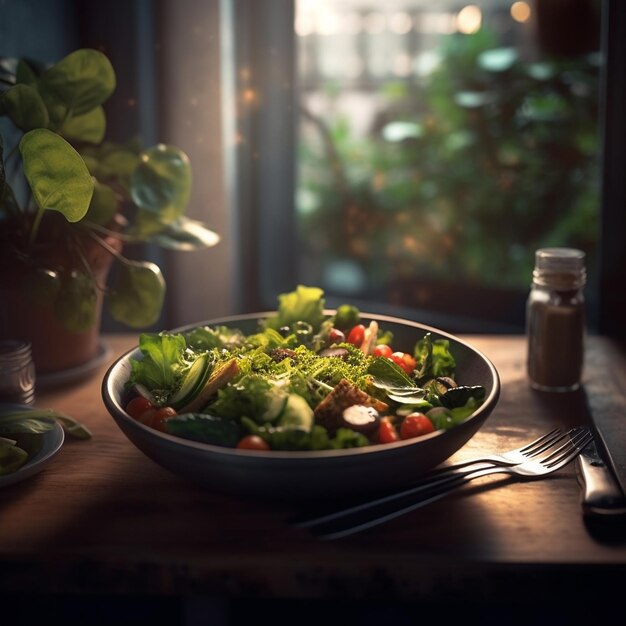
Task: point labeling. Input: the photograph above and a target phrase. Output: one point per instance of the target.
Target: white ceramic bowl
(282, 475)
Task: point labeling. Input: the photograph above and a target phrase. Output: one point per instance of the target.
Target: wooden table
(104, 522)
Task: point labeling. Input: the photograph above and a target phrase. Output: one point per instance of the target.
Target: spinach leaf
(458, 396)
(433, 357)
(386, 374)
(391, 378)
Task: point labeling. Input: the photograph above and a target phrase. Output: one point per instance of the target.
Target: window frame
(612, 302)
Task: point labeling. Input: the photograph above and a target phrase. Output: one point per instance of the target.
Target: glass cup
(17, 372)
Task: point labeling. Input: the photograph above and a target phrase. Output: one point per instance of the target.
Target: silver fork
(511, 457)
(371, 513)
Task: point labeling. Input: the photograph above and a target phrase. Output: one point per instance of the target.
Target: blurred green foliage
(463, 176)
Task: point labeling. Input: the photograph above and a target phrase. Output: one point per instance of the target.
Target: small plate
(50, 444)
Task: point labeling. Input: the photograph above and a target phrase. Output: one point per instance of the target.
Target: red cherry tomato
(415, 425)
(387, 432)
(405, 361)
(253, 442)
(356, 335)
(147, 416)
(159, 418)
(137, 406)
(336, 336)
(155, 417)
(383, 350)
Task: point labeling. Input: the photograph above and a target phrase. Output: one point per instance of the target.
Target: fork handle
(389, 507)
(435, 480)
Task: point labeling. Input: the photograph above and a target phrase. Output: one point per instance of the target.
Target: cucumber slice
(205, 428)
(297, 414)
(275, 407)
(193, 382)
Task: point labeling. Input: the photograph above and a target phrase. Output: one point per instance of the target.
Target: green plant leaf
(76, 304)
(24, 106)
(76, 84)
(25, 74)
(89, 127)
(111, 162)
(186, 234)
(103, 205)
(57, 174)
(120, 164)
(161, 183)
(137, 297)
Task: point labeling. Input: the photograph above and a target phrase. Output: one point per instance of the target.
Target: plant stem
(111, 233)
(107, 247)
(35, 227)
(83, 259)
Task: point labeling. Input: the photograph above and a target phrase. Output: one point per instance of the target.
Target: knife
(601, 493)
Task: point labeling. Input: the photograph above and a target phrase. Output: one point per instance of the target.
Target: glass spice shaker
(555, 320)
(17, 372)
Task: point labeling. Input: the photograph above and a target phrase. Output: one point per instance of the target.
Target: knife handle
(601, 493)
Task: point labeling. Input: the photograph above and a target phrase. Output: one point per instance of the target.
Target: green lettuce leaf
(207, 338)
(162, 363)
(249, 396)
(305, 304)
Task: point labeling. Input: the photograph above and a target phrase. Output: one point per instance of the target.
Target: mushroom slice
(329, 412)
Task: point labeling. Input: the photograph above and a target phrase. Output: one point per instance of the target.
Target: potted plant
(71, 203)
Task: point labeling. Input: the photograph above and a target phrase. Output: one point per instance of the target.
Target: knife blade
(601, 493)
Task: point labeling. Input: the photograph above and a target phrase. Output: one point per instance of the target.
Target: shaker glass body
(17, 373)
(555, 321)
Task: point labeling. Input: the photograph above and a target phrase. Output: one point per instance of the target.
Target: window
(440, 144)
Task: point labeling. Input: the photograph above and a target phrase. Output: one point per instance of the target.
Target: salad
(304, 380)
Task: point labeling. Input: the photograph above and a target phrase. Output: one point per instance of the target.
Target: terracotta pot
(54, 347)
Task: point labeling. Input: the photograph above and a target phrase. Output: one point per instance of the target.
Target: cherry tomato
(147, 416)
(138, 405)
(383, 350)
(387, 432)
(405, 361)
(253, 442)
(159, 418)
(356, 335)
(336, 336)
(415, 425)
